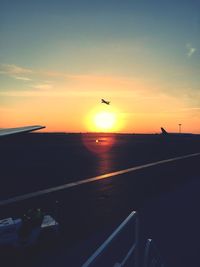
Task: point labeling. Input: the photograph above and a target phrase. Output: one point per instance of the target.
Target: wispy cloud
(61, 84)
(15, 71)
(190, 49)
(46, 92)
(191, 108)
(91, 81)
(22, 78)
(43, 86)
(12, 69)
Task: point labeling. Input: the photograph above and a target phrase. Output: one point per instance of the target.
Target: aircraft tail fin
(163, 131)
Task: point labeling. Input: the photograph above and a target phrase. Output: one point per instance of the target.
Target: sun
(104, 121)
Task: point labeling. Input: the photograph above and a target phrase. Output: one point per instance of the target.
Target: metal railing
(118, 259)
(152, 257)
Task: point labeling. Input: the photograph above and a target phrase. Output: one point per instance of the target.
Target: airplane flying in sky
(8, 131)
(105, 102)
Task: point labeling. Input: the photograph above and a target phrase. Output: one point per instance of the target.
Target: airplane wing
(8, 131)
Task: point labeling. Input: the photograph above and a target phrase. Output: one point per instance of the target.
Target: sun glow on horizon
(103, 121)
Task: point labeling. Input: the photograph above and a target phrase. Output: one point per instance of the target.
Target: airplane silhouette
(105, 102)
(167, 134)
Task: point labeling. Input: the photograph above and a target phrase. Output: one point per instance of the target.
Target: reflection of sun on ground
(98, 143)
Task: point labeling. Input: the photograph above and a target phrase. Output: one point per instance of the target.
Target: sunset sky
(59, 58)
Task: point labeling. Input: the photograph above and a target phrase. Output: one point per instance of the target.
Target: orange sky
(58, 60)
(72, 104)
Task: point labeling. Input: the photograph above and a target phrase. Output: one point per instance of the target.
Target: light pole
(180, 127)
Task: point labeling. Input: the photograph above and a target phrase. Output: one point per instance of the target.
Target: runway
(159, 180)
(90, 180)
